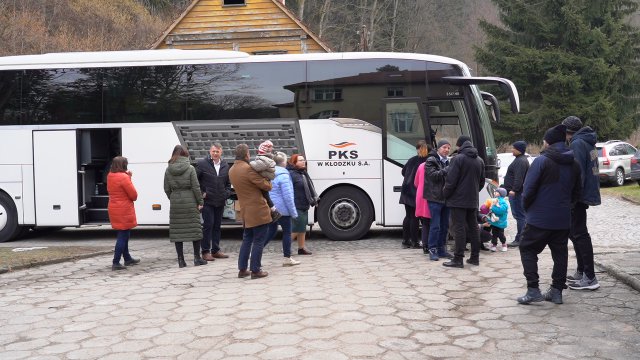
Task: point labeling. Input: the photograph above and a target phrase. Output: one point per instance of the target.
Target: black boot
(180, 253)
(473, 261)
(456, 262)
(532, 295)
(197, 259)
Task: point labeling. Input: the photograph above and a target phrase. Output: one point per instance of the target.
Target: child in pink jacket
(422, 207)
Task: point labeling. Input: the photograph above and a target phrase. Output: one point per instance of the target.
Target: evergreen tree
(567, 57)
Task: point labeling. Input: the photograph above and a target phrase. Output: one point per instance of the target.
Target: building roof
(278, 3)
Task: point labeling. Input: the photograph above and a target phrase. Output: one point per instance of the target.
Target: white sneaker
(492, 248)
(290, 262)
(504, 248)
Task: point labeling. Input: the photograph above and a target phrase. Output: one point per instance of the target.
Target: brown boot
(207, 256)
(259, 274)
(244, 273)
(220, 255)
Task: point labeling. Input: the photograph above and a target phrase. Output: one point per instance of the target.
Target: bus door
(403, 127)
(55, 168)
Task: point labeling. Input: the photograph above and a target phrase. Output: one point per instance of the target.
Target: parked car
(504, 160)
(614, 162)
(635, 166)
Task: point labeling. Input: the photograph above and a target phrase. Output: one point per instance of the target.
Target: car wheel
(9, 227)
(345, 213)
(619, 179)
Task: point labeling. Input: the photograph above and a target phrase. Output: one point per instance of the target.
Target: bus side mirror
(491, 103)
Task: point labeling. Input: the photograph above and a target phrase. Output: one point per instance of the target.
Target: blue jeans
(253, 240)
(122, 246)
(212, 219)
(285, 223)
(439, 225)
(517, 210)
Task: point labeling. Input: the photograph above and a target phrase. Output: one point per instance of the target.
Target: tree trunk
(301, 9)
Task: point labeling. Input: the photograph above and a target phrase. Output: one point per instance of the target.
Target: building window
(403, 121)
(395, 92)
(270, 52)
(234, 2)
(327, 94)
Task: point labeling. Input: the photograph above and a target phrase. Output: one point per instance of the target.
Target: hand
(200, 207)
(511, 193)
(204, 195)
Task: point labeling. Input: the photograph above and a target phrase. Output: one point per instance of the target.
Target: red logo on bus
(343, 144)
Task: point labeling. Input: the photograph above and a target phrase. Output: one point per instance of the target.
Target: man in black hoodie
(435, 171)
(582, 140)
(463, 183)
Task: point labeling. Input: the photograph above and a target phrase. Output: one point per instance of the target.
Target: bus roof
(177, 56)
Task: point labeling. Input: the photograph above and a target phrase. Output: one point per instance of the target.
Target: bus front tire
(345, 213)
(9, 228)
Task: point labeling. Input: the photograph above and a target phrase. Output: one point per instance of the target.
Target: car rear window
(600, 151)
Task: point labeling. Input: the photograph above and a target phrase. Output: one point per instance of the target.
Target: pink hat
(266, 147)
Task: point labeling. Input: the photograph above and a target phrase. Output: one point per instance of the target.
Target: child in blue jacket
(500, 209)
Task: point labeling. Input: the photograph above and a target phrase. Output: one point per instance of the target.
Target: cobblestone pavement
(365, 299)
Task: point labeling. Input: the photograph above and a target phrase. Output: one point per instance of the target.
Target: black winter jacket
(516, 172)
(434, 174)
(584, 151)
(408, 193)
(465, 178)
(216, 186)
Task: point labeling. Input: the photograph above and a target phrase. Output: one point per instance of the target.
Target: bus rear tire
(9, 228)
(345, 213)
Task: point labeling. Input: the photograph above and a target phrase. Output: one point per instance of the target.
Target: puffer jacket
(264, 166)
(282, 193)
(122, 194)
(183, 190)
(501, 210)
(583, 145)
(552, 188)
(465, 178)
(434, 175)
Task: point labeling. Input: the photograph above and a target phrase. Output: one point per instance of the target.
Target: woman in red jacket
(122, 214)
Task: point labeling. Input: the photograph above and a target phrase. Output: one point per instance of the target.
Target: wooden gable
(255, 27)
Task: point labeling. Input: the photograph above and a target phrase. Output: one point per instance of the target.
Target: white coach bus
(355, 116)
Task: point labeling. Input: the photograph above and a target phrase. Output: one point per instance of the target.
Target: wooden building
(252, 26)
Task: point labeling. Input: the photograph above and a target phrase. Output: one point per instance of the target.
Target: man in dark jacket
(582, 141)
(551, 189)
(513, 182)
(435, 169)
(464, 181)
(213, 175)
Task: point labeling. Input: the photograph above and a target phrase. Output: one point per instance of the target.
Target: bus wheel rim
(3, 217)
(344, 213)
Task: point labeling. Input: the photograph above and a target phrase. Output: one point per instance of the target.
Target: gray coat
(183, 190)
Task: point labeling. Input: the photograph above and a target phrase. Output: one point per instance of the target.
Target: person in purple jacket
(282, 196)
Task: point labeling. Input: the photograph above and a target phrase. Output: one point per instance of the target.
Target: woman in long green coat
(183, 190)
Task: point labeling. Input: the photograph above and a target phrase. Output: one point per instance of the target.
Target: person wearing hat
(582, 141)
(213, 175)
(551, 188)
(513, 181)
(435, 172)
(465, 179)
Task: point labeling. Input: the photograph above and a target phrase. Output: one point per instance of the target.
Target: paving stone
(246, 348)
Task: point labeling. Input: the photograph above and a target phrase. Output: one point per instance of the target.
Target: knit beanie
(265, 147)
(442, 143)
(462, 139)
(502, 192)
(556, 134)
(573, 124)
(520, 146)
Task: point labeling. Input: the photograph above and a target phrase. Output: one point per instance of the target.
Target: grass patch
(10, 259)
(630, 190)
